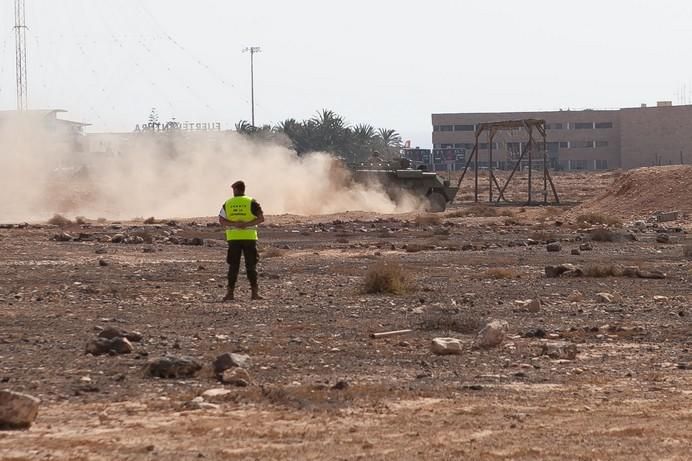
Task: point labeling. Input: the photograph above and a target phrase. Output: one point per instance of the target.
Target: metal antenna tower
(252, 50)
(20, 57)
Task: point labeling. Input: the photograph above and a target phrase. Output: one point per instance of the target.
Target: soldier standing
(240, 215)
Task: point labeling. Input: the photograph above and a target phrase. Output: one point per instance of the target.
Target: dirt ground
(627, 395)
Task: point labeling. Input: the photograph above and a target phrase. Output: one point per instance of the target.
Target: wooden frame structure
(531, 126)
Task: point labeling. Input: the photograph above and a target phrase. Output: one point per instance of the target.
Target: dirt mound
(641, 192)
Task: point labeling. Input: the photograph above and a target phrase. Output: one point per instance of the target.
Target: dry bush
(598, 218)
(59, 220)
(150, 220)
(101, 220)
(498, 273)
(427, 220)
(386, 277)
(601, 270)
(80, 220)
(507, 213)
(603, 235)
(687, 251)
(452, 320)
(273, 252)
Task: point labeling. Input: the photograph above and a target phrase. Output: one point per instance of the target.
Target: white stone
(216, 392)
(17, 411)
(446, 346)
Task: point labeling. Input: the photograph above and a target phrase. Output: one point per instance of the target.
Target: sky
(390, 64)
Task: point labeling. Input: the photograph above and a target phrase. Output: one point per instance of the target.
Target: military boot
(229, 294)
(255, 292)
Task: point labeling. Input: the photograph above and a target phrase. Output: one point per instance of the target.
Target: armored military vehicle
(398, 178)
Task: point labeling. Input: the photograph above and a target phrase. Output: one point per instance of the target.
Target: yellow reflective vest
(239, 209)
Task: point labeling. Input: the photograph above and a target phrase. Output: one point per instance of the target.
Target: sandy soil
(627, 395)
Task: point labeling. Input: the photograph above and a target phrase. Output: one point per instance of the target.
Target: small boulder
(62, 237)
(115, 332)
(575, 252)
(117, 345)
(663, 238)
(446, 346)
(172, 367)
(118, 238)
(229, 360)
(17, 411)
(492, 334)
(560, 350)
(605, 298)
(586, 246)
(554, 247)
(236, 377)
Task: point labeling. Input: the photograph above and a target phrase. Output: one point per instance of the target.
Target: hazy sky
(387, 63)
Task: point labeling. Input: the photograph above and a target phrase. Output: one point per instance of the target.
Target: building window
(484, 145)
(583, 126)
(553, 126)
(564, 144)
(578, 164)
(601, 164)
(604, 124)
(601, 143)
(465, 145)
(445, 128)
(581, 144)
(446, 146)
(463, 127)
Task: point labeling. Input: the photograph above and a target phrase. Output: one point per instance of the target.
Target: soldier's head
(238, 188)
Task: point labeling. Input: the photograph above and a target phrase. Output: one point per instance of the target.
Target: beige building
(576, 140)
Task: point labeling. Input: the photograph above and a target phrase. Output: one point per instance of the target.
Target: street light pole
(252, 50)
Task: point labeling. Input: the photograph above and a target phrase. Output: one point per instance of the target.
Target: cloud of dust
(171, 174)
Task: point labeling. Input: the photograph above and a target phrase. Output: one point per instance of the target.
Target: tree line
(328, 132)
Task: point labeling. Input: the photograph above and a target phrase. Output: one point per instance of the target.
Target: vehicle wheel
(436, 203)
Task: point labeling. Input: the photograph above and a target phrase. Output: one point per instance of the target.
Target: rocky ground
(315, 384)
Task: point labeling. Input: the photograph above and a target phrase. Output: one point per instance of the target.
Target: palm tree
(245, 127)
(390, 138)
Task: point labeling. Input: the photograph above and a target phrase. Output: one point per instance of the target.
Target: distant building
(63, 134)
(576, 140)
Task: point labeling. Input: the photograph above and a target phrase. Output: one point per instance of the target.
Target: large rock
(230, 360)
(117, 345)
(492, 334)
(446, 346)
(560, 350)
(172, 367)
(17, 411)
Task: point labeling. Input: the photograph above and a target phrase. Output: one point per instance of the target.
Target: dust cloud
(168, 175)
